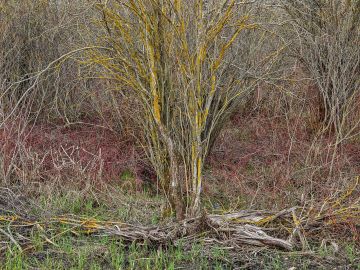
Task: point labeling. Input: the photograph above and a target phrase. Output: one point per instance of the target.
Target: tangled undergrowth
(297, 231)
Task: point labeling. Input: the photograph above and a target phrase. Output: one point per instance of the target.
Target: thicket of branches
(327, 44)
(33, 35)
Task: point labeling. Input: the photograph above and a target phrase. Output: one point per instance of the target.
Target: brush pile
(289, 229)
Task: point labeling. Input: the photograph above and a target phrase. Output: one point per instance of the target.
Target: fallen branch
(286, 229)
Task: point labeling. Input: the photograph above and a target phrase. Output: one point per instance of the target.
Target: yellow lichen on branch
(174, 55)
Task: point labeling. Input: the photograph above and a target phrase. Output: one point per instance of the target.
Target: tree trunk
(173, 176)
